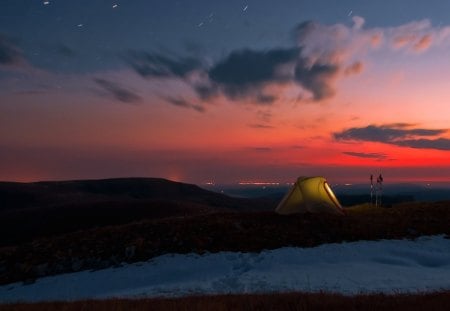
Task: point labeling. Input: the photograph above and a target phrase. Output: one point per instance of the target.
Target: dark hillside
(60, 193)
(44, 209)
(213, 232)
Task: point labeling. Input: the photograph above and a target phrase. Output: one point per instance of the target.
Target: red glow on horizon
(258, 183)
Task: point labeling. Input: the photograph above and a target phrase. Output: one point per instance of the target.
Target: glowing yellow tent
(310, 194)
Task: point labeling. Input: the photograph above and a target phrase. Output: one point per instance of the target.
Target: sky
(225, 91)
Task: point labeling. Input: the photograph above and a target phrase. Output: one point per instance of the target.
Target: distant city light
(258, 183)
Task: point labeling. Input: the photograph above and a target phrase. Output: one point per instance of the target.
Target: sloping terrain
(45, 209)
(49, 228)
(59, 227)
(213, 232)
(354, 267)
(60, 193)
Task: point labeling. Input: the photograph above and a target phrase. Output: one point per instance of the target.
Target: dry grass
(248, 232)
(278, 301)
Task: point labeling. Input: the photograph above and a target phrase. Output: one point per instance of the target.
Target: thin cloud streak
(118, 92)
(400, 134)
(370, 155)
(10, 54)
(179, 102)
(261, 126)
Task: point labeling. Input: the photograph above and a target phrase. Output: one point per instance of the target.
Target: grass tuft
(273, 301)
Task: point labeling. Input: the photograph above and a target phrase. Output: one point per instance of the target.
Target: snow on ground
(365, 266)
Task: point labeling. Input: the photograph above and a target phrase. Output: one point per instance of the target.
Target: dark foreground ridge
(232, 231)
(272, 301)
(45, 209)
(183, 219)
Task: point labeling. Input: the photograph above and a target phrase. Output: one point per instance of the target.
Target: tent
(310, 194)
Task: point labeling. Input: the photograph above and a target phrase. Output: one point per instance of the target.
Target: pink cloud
(423, 44)
(355, 68)
(340, 43)
(417, 36)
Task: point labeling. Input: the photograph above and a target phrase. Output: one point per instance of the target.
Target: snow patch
(365, 266)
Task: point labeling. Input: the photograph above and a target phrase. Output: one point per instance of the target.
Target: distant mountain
(53, 193)
(30, 210)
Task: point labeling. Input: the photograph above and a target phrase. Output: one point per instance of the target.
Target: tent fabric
(310, 194)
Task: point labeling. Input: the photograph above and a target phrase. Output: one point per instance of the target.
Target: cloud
(261, 126)
(384, 133)
(205, 90)
(400, 125)
(370, 155)
(243, 74)
(339, 43)
(265, 98)
(248, 67)
(423, 43)
(417, 36)
(29, 92)
(179, 102)
(358, 22)
(154, 65)
(336, 44)
(118, 92)
(399, 134)
(264, 115)
(246, 71)
(355, 68)
(318, 79)
(318, 57)
(438, 143)
(10, 54)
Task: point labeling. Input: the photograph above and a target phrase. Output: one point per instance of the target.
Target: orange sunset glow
(342, 98)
